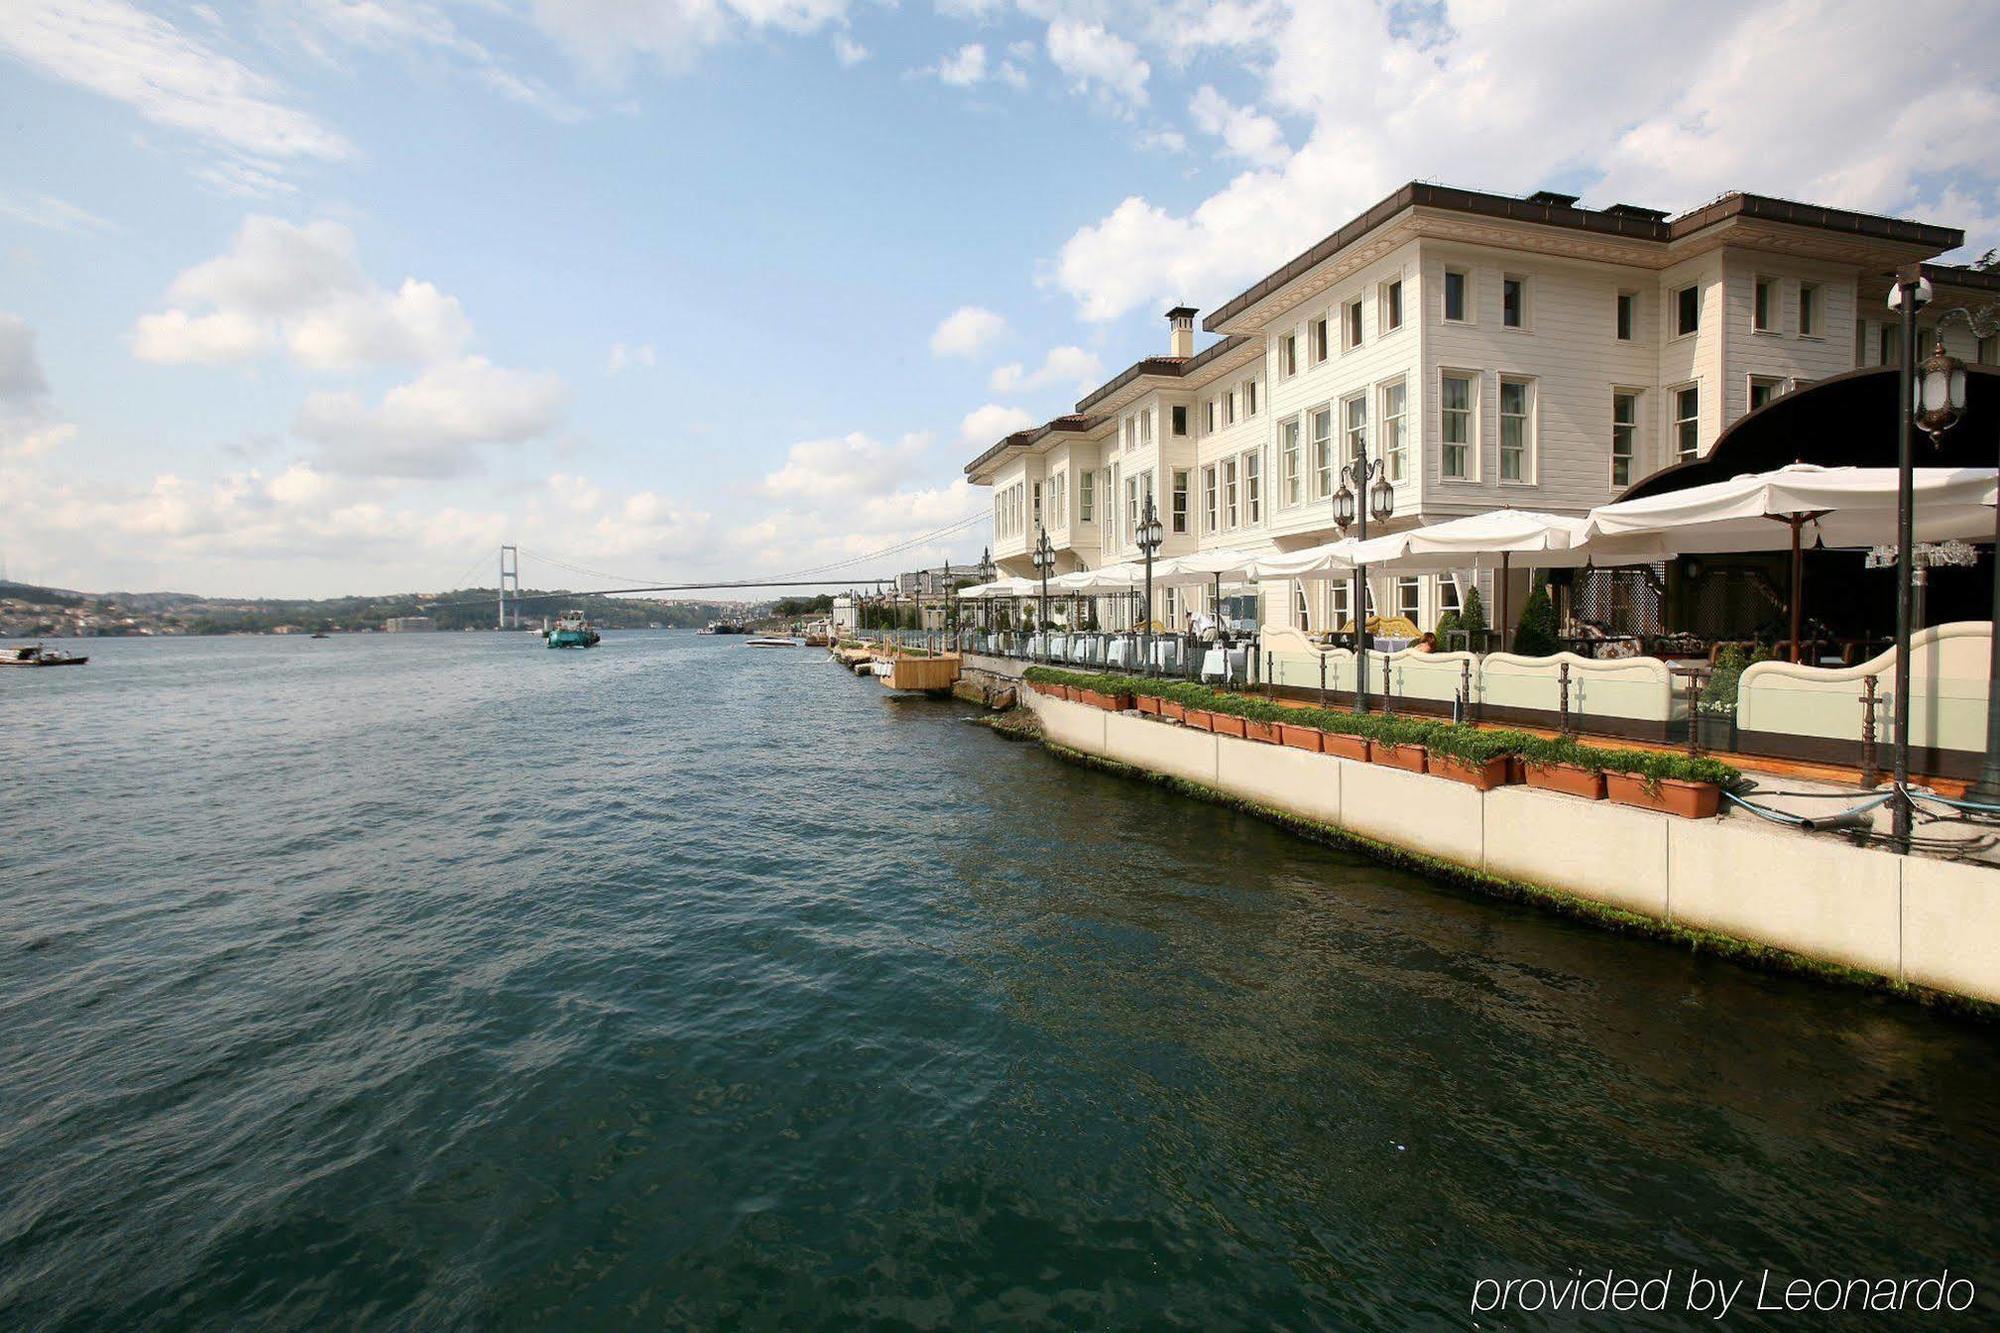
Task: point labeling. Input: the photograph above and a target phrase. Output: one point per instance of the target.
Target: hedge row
(1473, 745)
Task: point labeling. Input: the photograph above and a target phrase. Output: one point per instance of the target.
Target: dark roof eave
(1163, 367)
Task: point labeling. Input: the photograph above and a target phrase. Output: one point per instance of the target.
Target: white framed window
(1448, 600)
(1038, 505)
(1253, 487)
(1250, 398)
(1322, 452)
(1146, 426)
(1316, 338)
(1457, 296)
(1209, 498)
(1764, 304)
(1624, 435)
(1229, 408)
(1764, 388)
(1517, 430)
(1389, 317)
(1085, 497)
(1514, 301)
(1208, 410)
(1343, 601)
(1409, 597)
(1350, 325)
(1180, 500)
(1301, 609)
(1131, 507)
(1291, 466)
(1989, 351)
(1809, 310)
(1288, 356)
(1230, 514)
(1179, 419)
(1687, 422)
(1395, 435)
(1458, 399)
(1354, 426)
(1627, 318)
(1687, 311)
(1128, 431)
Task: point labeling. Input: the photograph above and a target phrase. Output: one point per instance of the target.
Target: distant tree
(1990, 259)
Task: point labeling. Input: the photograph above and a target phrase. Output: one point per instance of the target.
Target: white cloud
(624, 357)
(984, 425)
(1063, 367)
(27, 424)
(171, 79)
(1100, 61)
(849, 465)
(977, 10)
(1683, 115)
(303, 288)
(50, 213)
(848, 51)
(967, 331)
(607, 36)
(964, 67)
(430, 426)
(1244, 132)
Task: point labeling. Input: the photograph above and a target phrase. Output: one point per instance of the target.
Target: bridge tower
(510, 577)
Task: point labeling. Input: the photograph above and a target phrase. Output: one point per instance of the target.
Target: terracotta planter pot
(1410, 758)
(1199, 718)
(1485, 776)
(1689, 800)
(1517, 770)
(1347, 747)
(1110, 703)
(1226, 724)
(1567, 779)
(1173, 712)
(1300, 738)
(1148, 704)
(1265, 733)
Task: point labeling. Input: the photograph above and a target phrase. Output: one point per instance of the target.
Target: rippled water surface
(448, 982)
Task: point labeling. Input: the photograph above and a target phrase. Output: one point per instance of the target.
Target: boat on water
(772, 641)
(572, 630)
(321, 634)
(723, 627)
(38, 656)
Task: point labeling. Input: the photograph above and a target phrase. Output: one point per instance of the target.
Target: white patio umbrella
(1768, 511)
(1336, 557)
(1211, 568)
(1548, 539)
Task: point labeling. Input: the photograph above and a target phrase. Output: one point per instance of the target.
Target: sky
(314, 297)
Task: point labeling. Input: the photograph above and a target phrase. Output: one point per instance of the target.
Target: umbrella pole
(1798, 582)
(1503, 601)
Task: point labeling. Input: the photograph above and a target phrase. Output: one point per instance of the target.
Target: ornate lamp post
(1045, 562)
(1364, 491)
(1150, 538)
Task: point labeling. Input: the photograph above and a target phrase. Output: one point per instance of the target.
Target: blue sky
(336, 295)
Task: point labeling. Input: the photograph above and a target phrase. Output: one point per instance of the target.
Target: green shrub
(1448, 623)
(1719, 695)
(1472, 617)
(1535, 636)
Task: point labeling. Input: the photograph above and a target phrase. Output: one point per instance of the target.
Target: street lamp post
(1150, 538)
(1364, 490)
(1045, 561)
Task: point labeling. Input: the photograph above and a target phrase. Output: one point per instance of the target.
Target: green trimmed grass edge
(1763, 957)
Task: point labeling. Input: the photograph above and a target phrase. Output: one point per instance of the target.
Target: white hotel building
(1494, 352)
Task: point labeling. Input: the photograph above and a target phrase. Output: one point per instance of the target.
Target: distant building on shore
(409, 624)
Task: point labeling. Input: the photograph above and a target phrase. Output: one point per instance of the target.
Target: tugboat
(571, 630)
(38, 656)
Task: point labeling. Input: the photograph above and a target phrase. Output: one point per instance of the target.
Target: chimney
(1180, 325)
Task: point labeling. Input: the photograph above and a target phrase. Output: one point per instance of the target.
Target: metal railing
(1226, 659)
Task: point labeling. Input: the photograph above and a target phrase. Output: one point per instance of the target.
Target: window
(1808, 310)
(1395, 406)
(1687, 311)
(1322, 452)
(1288, 355)
(1291, 468)
(1229, 408)
(1624, 435)
(1390, 317)
(1253, 487)
(1208, 498)
(1343, 590)
(1354, 416)
(1514, 302)
(1301, 618)
(1456, 397)
(1764, 305)
(1454, 296)
(1146, 426)
(1249, 398)
(1180, 421)
(1409, 596)
(1229, 511)
(1350, 326)
(1316, 338)
(1208, 409)
(1989, 351)
(1057, 518)
(1687, 422)
(1448, 600)
(1628, 312)
(1128, 431)
(1180, 500)
(1889, 344)
(1517, 430)
(1085, 496)
(1131, 507)
(1763, 388)
(1038, 504)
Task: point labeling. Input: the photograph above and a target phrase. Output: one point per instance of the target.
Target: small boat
(772, 641)
(572, 630)
(39, 656)
(321, 634)
(723, 627)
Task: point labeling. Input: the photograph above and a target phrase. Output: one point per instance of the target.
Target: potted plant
(1339, 740)
(1674, 784)
(1558, 764)
(1481, 759)
(1173, 710)
(1149, 704)
(1227, 724)
(1398, 745)
(1301, 738)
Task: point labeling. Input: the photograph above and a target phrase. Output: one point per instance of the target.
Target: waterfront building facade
(1492, 352)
